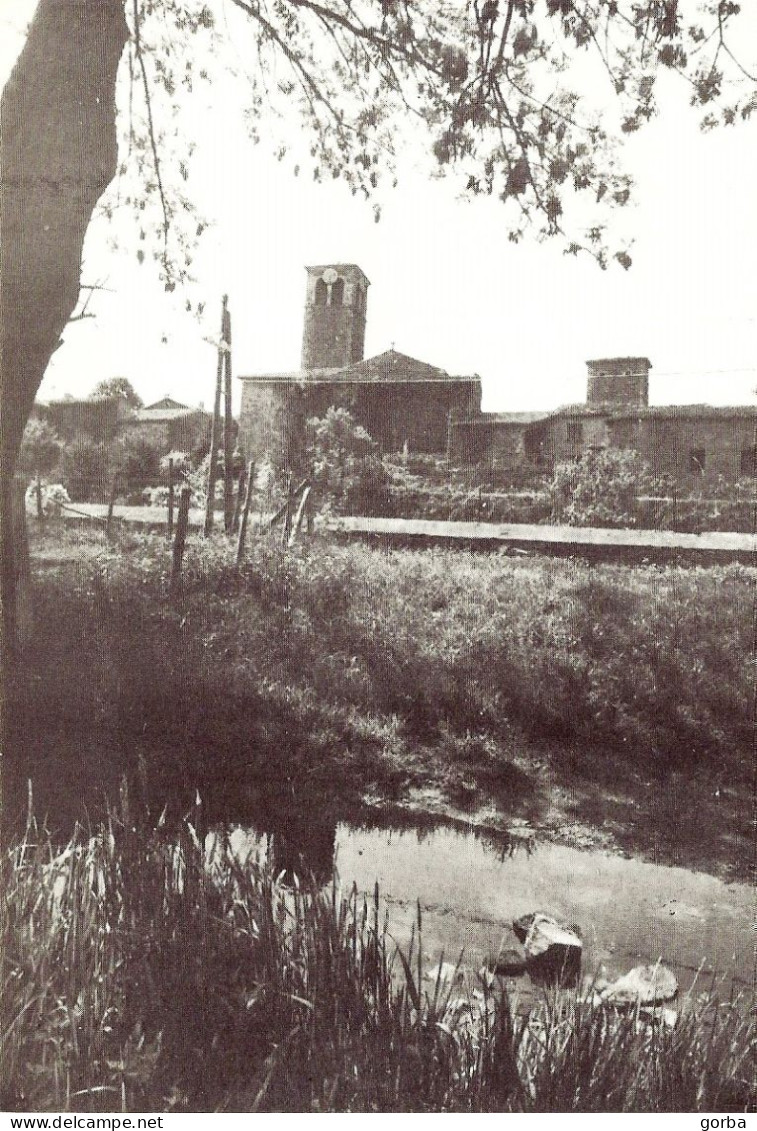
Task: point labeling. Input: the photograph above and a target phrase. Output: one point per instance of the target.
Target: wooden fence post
(38, 494)
(286, 529)
(216, 424)
(245, 510)
(170, 499)
(309, 515)
(239, 502)
(241, 485)
(111, 505)
(298, 517)
(182, 524)
(228, 477)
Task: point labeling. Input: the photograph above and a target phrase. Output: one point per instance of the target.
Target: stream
(470, 887)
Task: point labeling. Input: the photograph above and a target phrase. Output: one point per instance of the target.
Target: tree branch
(151, 129)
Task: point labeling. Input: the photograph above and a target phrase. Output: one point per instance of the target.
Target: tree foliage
(526, 101)
(346, 466)
(86, 470)
(119, 387)
(40, 449)
(137, 461)
(601, 488)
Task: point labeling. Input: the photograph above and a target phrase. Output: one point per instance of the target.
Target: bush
(601, 488)
(155, 496)
(53, 496)
(347, 469)
(181, 462)
(40, 449)
(137, 462)
(85, 471)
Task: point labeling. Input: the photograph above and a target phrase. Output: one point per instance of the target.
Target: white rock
(647, 985)
(545, 932)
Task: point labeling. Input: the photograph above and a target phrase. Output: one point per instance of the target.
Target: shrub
(155, 496)
(85, 470)
(53, 496)
(40, 449)
(601, 488)
(137, 461)
(181, 462)
(347, 469)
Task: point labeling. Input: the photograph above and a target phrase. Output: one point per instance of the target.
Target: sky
(446, 284)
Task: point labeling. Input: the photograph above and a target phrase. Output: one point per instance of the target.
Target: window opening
(337, 293)
(697, 460)
(575, 432)
(749, 460)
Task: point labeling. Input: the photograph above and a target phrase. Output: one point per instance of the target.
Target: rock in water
(451, 977)
(510, 962)
(553, 952)
(645, 985)
(521, 926)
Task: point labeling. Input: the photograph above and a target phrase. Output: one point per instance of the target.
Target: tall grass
(141, 972)
(377, 672)
(655, 658)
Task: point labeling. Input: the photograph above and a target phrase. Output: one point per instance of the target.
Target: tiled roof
(514, 418)
(393, 366)
(161, 415)
(388, 367)
(667, 411)
(166, 402)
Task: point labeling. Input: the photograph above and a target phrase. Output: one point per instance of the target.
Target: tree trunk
(58, 153)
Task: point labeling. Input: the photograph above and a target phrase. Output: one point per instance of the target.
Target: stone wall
(569, 436)
(699, 446)
(499, 443)
(689, 445)
(332, 337)
(618, 381)
(272, 421)
(607, 388)
(274, 414)
(414, 413)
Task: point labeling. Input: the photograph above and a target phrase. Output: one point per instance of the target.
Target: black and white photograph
(378, 559)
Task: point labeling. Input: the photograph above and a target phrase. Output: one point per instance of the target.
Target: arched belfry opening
(335, 313)
(337, 293)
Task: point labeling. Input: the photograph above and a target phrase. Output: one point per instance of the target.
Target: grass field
(602, 704)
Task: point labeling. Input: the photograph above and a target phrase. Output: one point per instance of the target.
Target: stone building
(98, 418)
(401, 401)
(397, 399)
(169, 425)
(685, 441)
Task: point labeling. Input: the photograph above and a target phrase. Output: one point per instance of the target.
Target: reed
(156, 971)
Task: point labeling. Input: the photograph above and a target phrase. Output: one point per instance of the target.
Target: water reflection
(470, 888)
(308, 853)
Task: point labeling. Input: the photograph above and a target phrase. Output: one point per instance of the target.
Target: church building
(397, 399)
(402, 401)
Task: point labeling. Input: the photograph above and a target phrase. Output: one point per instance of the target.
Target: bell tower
(334, 333)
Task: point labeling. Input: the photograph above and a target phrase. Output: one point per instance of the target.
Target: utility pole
(216, 424)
